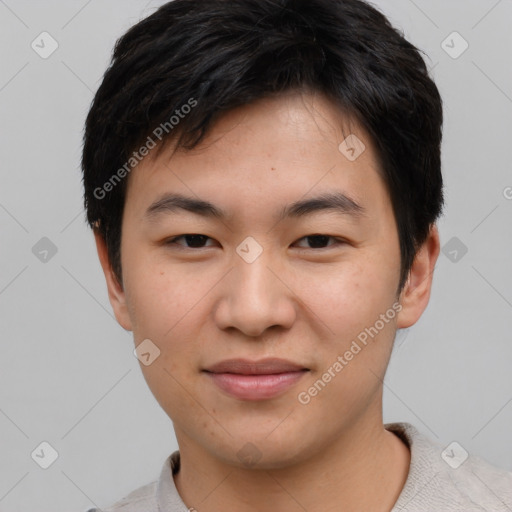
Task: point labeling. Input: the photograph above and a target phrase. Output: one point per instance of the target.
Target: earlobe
(416, 293)
(116, 293)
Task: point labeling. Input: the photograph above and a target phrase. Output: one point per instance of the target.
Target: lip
(255, 380)
(267, 366)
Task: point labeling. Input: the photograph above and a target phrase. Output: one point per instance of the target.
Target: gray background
(67, 372)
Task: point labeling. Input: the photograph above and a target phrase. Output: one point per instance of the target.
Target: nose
(255, 297)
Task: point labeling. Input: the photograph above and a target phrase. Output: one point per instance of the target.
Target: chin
(255, 451)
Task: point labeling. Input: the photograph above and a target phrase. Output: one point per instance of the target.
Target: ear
(116, 293)
(416, 293)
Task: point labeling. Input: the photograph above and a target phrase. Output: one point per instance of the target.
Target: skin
(295, 301)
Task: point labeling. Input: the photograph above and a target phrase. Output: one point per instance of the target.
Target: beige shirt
(440, 479)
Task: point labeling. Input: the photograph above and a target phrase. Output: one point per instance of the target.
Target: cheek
(162, 299)
(354, 353)
(166, 307)
(349, 296)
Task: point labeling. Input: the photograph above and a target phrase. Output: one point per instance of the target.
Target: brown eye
(320, 241)
(192, 241)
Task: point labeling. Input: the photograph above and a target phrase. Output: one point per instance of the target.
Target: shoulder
(479, 483)
(155, 496)
(449, 478)
(142, 499)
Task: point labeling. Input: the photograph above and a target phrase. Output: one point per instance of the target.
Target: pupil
(195, 240)
(322, 238)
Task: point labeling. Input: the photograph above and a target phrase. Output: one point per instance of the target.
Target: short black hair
(174, 73)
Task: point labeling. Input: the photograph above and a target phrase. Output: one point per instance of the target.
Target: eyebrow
(333, 201)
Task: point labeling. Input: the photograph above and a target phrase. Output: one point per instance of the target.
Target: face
(305, 295)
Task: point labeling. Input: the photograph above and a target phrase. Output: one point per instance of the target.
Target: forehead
(281, 148)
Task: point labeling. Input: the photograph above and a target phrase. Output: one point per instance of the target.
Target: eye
(194, 241)
(320, 241)
(198, 241)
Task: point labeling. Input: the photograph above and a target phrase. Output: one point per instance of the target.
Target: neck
(365, 468)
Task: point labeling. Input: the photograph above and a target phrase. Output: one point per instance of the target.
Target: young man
(263, 178)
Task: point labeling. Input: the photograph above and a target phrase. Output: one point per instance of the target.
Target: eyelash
(338, 241)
